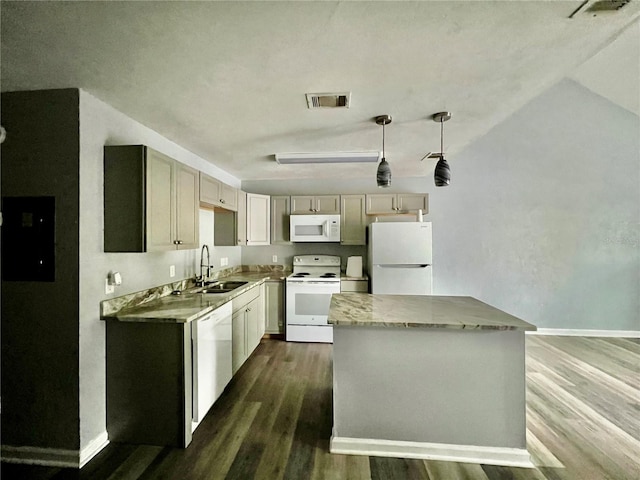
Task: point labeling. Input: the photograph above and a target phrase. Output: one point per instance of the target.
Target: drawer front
(241, 300)
(361, 286)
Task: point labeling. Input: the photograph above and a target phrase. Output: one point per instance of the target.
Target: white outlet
(274, 258)
(172, 271)
(107, 287)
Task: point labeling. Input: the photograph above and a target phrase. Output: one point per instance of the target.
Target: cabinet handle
(222, 200)
(248, 310)
(179, 242)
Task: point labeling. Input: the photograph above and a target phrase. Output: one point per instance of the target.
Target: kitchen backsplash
(260, 255)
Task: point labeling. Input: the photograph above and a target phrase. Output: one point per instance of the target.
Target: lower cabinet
(247, 326)
(150, 369)
(274, 307)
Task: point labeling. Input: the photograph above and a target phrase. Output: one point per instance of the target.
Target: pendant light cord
(441, 138)
(383, 157)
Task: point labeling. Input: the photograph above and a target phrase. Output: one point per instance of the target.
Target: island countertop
(420, 311)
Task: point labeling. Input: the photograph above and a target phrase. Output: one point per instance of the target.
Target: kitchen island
(433, 377)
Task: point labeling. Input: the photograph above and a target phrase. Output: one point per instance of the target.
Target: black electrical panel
(28, 239)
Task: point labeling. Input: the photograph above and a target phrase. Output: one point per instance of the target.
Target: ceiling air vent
(593, 8)
(328, 100)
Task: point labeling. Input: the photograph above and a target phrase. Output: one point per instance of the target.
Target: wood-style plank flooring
(274, 422)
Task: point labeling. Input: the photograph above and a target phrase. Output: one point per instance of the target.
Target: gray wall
(101, 124)
(53, 342)
(40, 319)
(541, 218)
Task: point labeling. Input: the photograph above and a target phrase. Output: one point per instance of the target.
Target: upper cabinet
(317, 204)
(150, 201)
(353, 221)
(241, 218)
(215, 193)
(280, 212)
(258, 219)
(394, 203)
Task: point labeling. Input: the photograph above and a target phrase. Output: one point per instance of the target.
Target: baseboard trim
(53, 457)
(94, 447)
(50, 457)
(509, 457)
(572, 332)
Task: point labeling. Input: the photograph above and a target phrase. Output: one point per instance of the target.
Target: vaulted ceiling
(227, 80)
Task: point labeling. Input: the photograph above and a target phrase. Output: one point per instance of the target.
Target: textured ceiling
(227, 80)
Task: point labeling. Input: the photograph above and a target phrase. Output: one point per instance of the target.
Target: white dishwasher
(211, 359)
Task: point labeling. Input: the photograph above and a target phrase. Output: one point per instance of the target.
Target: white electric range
(309, 288)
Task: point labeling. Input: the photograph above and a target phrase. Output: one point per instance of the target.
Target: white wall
(101, 124)
(541, 218)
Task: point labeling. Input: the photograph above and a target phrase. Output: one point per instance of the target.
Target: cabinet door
(209, 189)
(252, 325)
(381, 203)
(413, 202)
(238, 340)
(160, 213)
(280, 211)
(258, 219)
(303, 205)
(353, 220)
(241, 218)
(274, 307)
(327, 204)
(262, 319)
(228, 197)
(187, 207)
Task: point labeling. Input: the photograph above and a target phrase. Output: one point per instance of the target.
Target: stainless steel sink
(222, 287)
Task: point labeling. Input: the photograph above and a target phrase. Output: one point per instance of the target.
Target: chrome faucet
(204, 266)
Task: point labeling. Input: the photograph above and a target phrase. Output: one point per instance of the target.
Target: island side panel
(448, 386)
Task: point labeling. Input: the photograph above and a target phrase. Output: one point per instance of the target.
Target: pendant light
(383, 175)
(442, 173)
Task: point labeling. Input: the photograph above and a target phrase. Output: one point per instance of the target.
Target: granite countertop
(159, 306)
(421, 311)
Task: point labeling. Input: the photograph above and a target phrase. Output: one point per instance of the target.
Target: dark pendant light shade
(383, 176)
(442, 174)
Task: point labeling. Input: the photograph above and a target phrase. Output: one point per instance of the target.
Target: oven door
(308, 301)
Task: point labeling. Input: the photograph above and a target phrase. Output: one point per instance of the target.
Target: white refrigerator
(400, 258)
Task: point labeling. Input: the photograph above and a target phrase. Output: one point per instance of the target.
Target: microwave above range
(315, 228)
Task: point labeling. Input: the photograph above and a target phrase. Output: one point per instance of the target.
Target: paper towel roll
(354, 267)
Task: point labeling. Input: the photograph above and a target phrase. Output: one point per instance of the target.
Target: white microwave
(315, 228)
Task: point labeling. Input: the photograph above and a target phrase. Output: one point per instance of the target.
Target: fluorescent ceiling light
(328, 157)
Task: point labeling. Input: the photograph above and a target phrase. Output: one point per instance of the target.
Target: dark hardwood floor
(274, 422)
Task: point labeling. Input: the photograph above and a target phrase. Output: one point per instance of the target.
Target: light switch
(274, 258)
(172, 271)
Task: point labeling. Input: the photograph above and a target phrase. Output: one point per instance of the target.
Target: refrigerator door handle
(402, 265)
